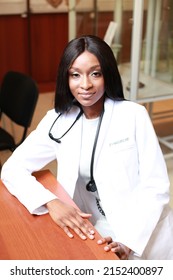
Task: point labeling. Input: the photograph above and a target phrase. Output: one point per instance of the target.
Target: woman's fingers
(67, 231)
(81, 227)
(121, 250)
(105, 240)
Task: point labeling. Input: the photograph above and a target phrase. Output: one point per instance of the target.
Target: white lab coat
(129, 171)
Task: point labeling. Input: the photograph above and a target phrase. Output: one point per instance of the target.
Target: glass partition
(158, 44)
(148, 76)
(143, 42)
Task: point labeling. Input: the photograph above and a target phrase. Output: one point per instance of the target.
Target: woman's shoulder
(48, 118)
(50, 114)
(126, 106)
(130, 105)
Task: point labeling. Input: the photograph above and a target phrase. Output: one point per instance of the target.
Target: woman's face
(86, 83)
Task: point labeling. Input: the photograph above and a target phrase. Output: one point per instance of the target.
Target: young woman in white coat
(109, 159)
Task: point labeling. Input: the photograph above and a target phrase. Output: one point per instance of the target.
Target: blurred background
(33, 34)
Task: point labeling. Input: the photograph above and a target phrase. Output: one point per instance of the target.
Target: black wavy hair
(99, 48)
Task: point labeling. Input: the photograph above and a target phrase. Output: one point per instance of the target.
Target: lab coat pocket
(124, 143)
(123, 153)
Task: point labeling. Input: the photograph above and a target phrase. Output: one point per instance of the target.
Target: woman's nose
(86, 83)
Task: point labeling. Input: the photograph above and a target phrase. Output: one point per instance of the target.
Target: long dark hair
(108, 64)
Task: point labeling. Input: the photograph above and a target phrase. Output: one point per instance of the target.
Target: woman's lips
(86, 95)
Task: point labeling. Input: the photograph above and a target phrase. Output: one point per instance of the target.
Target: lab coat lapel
(108, 109)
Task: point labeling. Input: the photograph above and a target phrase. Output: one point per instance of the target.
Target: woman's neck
(94, 111)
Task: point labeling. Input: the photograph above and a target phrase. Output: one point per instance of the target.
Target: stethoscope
(58, 140)
(91, 185)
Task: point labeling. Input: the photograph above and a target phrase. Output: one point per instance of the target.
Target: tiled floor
(45, 103)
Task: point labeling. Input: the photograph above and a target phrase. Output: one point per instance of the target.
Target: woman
(109, 159)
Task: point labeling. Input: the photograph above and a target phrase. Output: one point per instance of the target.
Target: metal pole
(136, 47)
(149, 36)
(72, 20)
(118, 4)
(156, 37)
(95, 8)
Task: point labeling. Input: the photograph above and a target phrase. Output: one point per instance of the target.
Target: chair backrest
(18, 97)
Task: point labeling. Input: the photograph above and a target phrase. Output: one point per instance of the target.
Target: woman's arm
(32, 155)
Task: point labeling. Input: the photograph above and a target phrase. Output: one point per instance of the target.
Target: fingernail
(84, 237)
(91, 236)
(106, 248)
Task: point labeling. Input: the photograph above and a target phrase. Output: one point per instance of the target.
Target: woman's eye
(96, 74)
(74, 75)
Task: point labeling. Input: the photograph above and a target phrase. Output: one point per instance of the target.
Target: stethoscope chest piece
(91, 186)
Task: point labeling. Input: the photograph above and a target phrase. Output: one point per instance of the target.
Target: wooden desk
(29, 237)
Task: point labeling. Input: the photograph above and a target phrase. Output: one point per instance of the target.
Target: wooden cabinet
(33, 44)
(14, 44)
(49, 35)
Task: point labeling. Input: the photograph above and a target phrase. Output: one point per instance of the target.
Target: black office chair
(18, 99)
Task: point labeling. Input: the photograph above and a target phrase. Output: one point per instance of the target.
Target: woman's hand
(67, 217)
(121, 250)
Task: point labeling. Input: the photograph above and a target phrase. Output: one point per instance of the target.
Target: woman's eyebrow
(91, 68)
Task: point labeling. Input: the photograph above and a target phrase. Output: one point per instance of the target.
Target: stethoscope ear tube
(91, 186)
(58, 140)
